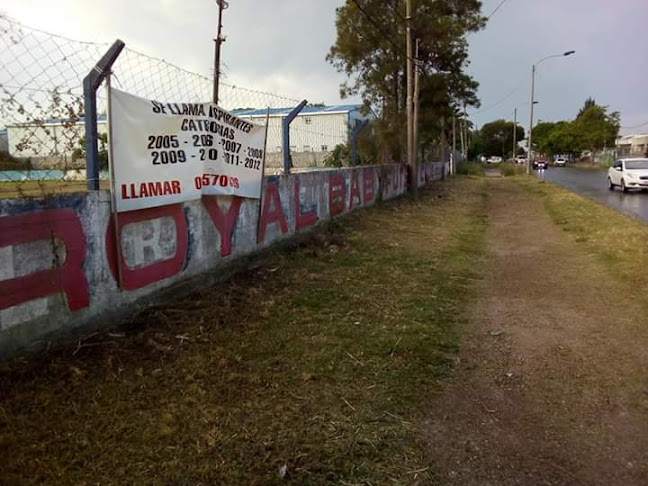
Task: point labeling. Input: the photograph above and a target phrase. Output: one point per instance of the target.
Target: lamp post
(531, 103)
(515, 144)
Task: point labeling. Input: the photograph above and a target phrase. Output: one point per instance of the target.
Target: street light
(515, 145)
(531, 103)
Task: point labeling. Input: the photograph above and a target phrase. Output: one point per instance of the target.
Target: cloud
(280, 46)
(609, 64)
(277, 45)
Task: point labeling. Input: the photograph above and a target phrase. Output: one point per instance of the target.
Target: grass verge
(470, 168)
(312, 369)
(507, 169)
(615, 238)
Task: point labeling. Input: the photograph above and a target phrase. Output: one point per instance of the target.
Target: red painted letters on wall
(224, 223)
(136, 278)
(354, 196)
(274, 215)
(302, 220)
(368, 185)
(63, 225)
(337, 194)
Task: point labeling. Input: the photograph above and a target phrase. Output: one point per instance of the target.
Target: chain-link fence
(42, 133)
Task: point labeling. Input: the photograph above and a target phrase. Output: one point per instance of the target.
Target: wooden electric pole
(453, 164)
(416, 107)
(514, 134)
(222, 5)
(411, 158)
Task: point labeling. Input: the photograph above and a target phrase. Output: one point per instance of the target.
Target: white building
(50, 142)
(314, 132)
(632, 145)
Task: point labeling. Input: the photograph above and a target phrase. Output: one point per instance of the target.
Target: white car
(520, 159)
(628, 174)
(493, 159)
(560, 162)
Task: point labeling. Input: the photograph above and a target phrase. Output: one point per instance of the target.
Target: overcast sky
(280, 46)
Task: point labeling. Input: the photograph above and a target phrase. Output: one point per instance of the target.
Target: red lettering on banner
(150, 189)
(136, 278)
(63, 225)
(302, 220)
(368, 185)
(224, 223)
(337, 194)
(274, 215)
(354, 196)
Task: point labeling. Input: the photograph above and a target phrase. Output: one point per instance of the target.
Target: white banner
(165, 153)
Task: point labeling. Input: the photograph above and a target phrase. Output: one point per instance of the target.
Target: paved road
(592, 183)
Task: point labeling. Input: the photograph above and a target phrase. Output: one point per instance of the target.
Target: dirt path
(551, 387)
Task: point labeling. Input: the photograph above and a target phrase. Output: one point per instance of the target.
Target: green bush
(470, 168)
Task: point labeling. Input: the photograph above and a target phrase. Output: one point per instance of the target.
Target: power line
(511, 93)
(496, 9)
(385, 34)
(376, 25)
(636, 126)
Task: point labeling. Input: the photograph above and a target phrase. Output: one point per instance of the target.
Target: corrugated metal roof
(308, 110)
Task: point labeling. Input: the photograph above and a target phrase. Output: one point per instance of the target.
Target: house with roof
(635, 145)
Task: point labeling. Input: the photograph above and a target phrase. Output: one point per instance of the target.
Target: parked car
(493, 159)
(521, 159)
(628, 174)
(560, 162)
(539, 164)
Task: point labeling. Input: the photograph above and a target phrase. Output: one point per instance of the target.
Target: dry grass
(617, 239)
(313, 368)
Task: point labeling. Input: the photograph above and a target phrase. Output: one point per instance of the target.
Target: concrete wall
(59, 265)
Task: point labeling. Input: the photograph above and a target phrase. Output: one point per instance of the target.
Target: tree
(542, 132)
(589, 102)
(563, 139)
(370, 49)
(597, 128)
(497, 137)
(593, 129)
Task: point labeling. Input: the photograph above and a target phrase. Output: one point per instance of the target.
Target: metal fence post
(355, 132)
(90, 85)
(285, 124)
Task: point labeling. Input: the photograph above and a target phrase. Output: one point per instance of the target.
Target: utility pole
(416, 105)
(453, 164)
(532, 102)
(530, 147)
(514, 133)
(222, 5)
(411, 163)
(461, 134)
(465, 117)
